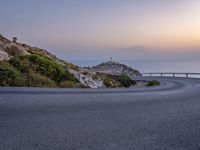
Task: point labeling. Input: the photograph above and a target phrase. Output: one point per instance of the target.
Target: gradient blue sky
(98, 29)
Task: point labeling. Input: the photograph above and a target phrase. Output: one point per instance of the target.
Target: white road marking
(170, 92)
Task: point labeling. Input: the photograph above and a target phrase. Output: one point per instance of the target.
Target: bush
(10, 76)
(71, 66)
(35, 71)
(112, 81)
(153, 83)
(79, 85)
(108, 83)
(67, 84)
(71, 84)
(125, 80)
(37, 80)
(43, 66)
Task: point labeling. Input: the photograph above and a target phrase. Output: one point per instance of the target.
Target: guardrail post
(161, 74)
(173, 75)
(150, 74)
(187, 75)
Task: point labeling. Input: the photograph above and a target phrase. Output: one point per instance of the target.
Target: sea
(147, 66)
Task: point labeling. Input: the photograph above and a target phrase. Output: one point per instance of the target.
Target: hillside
(115, 68)
(22, 65)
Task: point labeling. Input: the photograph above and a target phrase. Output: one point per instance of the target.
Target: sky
(99, 29)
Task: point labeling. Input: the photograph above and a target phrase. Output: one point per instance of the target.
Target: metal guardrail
(173, 74)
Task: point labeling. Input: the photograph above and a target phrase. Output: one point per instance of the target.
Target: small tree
(15, 39)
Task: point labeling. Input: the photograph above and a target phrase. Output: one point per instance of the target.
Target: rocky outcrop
(3, 55)
(3, 41)
(21, 49)
(88, 78)
(115, 68)
(7, 46)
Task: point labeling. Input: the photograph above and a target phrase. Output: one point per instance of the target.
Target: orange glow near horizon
(97, 26)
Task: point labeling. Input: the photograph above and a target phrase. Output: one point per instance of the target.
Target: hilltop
(27, 66)
(115, 68)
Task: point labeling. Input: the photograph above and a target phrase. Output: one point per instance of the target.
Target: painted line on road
(170, 92)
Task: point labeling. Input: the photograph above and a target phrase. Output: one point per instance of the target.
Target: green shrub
(112, 81)
(108, 83)
(35, 71)
(67, 84)
(125, 80)
(71, 66)
(79, 85)
(94, 77)
(9, 76)
(37, 80)
(43, 66)
(153, 83)
(71, 84)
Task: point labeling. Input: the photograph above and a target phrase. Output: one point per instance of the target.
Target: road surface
(155, 118)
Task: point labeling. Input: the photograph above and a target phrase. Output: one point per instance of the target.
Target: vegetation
(71, 84)
(9, 76)
(67, 84)
(71, 66)
(112, 81)
(37, 80)
(125, 80)
(153, 83)
(66, 64)
(35, 71)
(33, 67)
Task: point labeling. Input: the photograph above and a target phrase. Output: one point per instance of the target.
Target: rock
(3, 55)
(6, 45)
(21, 49)
(88, 78)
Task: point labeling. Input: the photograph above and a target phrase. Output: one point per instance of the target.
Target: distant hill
(22, 65)
(115, 68)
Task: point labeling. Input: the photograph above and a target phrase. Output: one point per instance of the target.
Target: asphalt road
(156, 118)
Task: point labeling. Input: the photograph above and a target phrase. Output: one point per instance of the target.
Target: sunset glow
(95, 27)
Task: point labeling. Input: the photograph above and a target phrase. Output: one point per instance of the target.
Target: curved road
(166, 117)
